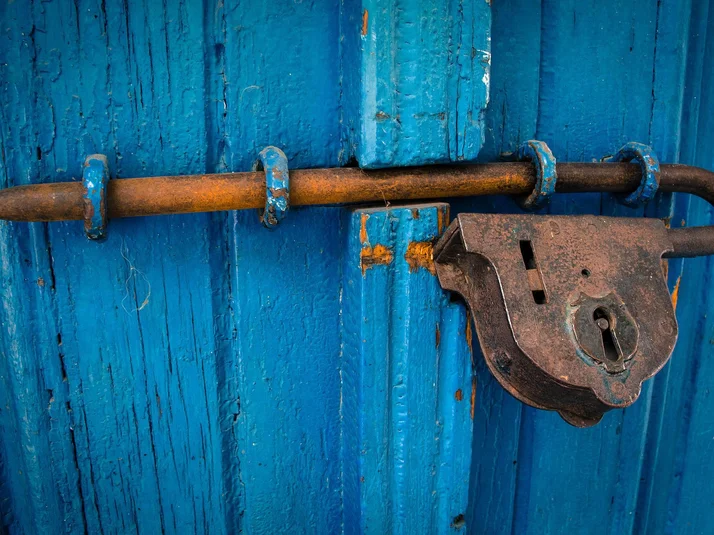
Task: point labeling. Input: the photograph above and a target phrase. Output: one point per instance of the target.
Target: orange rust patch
(40, 282)
(675, 292)
(420, 254)
(469, 334)
(442, 217)
(363, 228)
(373, 256)
(459, 395)
(473, 397)
(415, 213)
(365, 22)
(438, 336)
(278, 192)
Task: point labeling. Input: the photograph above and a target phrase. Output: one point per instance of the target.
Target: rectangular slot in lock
(535, 281)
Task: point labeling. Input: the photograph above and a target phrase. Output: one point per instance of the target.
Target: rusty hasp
(572, 312)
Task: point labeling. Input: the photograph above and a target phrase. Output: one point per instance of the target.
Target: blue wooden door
(198, 373)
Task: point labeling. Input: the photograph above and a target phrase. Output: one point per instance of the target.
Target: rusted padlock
(572, 312)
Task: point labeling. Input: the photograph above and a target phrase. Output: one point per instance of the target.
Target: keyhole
(604, 323)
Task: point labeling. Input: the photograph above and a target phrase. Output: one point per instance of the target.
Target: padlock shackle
(689, 242)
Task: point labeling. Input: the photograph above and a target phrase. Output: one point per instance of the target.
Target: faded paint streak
(373, 256)
(420, 255)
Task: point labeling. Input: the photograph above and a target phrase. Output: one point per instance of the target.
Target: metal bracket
(572, 312)
(649, 163)
(95, 176)
(546, 176)
(277, 185)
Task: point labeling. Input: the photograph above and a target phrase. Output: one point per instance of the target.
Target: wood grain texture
(130, 367)
(417, 80)
(607, 74)
(406, 376)
(193, 373)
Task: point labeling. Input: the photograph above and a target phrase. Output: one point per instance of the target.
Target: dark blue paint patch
(570, 79)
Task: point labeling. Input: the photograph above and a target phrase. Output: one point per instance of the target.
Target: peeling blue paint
(95, 176)
(277, 185)
(546, 175)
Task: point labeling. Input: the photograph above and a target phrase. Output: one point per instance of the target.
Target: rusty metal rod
(236, 191)
(691, 241)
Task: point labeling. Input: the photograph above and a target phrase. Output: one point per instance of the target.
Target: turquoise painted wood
(415, 80)
(202, 374)
(406, 379)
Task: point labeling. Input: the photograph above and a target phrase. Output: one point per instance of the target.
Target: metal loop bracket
(95, 176)
(647, 159)
(546, 176)
(277, 185)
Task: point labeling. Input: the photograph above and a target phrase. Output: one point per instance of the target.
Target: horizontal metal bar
(236, 191)
(691, 241)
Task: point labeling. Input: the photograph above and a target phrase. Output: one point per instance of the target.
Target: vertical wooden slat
(406, 375)
(419, 82)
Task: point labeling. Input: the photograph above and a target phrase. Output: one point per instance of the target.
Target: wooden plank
(143, 433)
(406, 379)
(592, 99)
(422, 80)
(575, 107)
(678, 462)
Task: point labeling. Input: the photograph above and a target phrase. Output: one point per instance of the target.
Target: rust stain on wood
(469, 335)
(420, 255)
(459, 395)
(365, 22)
(438, 336)
(442, 219)
(675, 292)
(373, 256)
(473, 396)
(363, 238)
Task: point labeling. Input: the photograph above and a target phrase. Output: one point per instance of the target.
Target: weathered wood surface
(187, 375)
